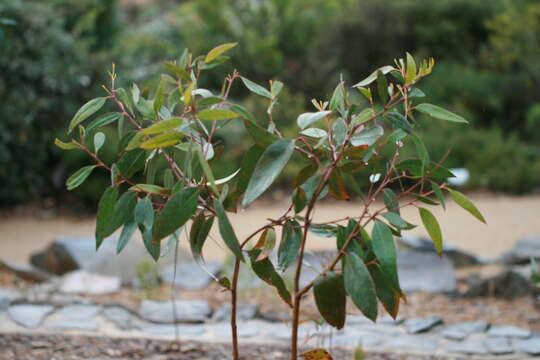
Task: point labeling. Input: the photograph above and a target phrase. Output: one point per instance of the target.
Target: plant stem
(234, 292)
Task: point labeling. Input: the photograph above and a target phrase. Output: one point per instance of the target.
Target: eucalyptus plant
(354, 131)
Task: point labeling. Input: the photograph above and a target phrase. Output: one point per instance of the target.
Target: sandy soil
(508, 217)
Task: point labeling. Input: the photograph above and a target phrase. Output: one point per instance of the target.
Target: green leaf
(176, 212)
(364, 116)
(79, 177)
(385, 250)
(371, 78)
(150, 188)
(306, 119)
(432, 226)
(330, 297)
(367, 137)
(135, 141)
(421, 151)
(103, 120)
(425, 199)
(339, 132)
(163, 140)
(144, 217)
(398, 121)
(64, 145)
(382, 87)
(390, 200)
(359, 286)
(123, 211)
(276, 88)
(197, 235)
(207, 171)
(265, 270)
(218, 51)
(337, 101)
(261, 137)
(227, 232)
(439, 113)
(268, 167)
(256, 88)
(216, 114)
(411, 69)
(397, 221)
(314, 133)
(125, 236)
(248, 166)
(289, 246)
(266, 243)
(99, 140)
(105, 213)
(299, 200)
(87, 110)
(466, 204)
(386, 293)
(131, 162)
(163, 126)
(438, 193)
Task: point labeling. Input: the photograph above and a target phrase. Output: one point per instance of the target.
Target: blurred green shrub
(496, 159)
(50, 60)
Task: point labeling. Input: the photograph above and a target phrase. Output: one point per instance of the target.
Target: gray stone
(387, 330)
(244, 330)
(505, 283)
(418, 325)
(462, 330)
(191, 275)
(531, 346)
(467, 347)
(425, 272)
(509, 332)
(413, 342)
(244, 311)
(164, 311)
(7, 296)
(172, 330)
(121, 317)
(499, 346)
(458, 257)
(275, 316)
(27, 315)
(524, 249)
(26, 272)
(75, 317)
(69, 253)
(83, 282)
(347, 339)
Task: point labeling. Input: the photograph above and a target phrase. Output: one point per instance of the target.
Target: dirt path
(509, 218)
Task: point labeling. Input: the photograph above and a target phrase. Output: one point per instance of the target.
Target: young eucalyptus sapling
(347, 135)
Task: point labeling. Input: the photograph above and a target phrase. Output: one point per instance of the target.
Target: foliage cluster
(178, 123)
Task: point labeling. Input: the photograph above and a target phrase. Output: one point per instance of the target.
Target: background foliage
(487, 53)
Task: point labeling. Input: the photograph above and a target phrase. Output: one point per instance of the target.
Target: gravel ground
(62, 347)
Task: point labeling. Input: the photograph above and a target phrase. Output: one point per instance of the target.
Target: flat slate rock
(525, 248)
(7, 296)
(418, 325)
(425, 272)
(171, 330)
(509, 332)
(458, 257)
(190, 311)
(467, 347)
(531, 346)
(191, 275)
(462, 330)
(121, 317)
(28, 315)
(421, 342)
(244, 330)
(244, 311)
(83, 282)
(498, 346)
(75, 317)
